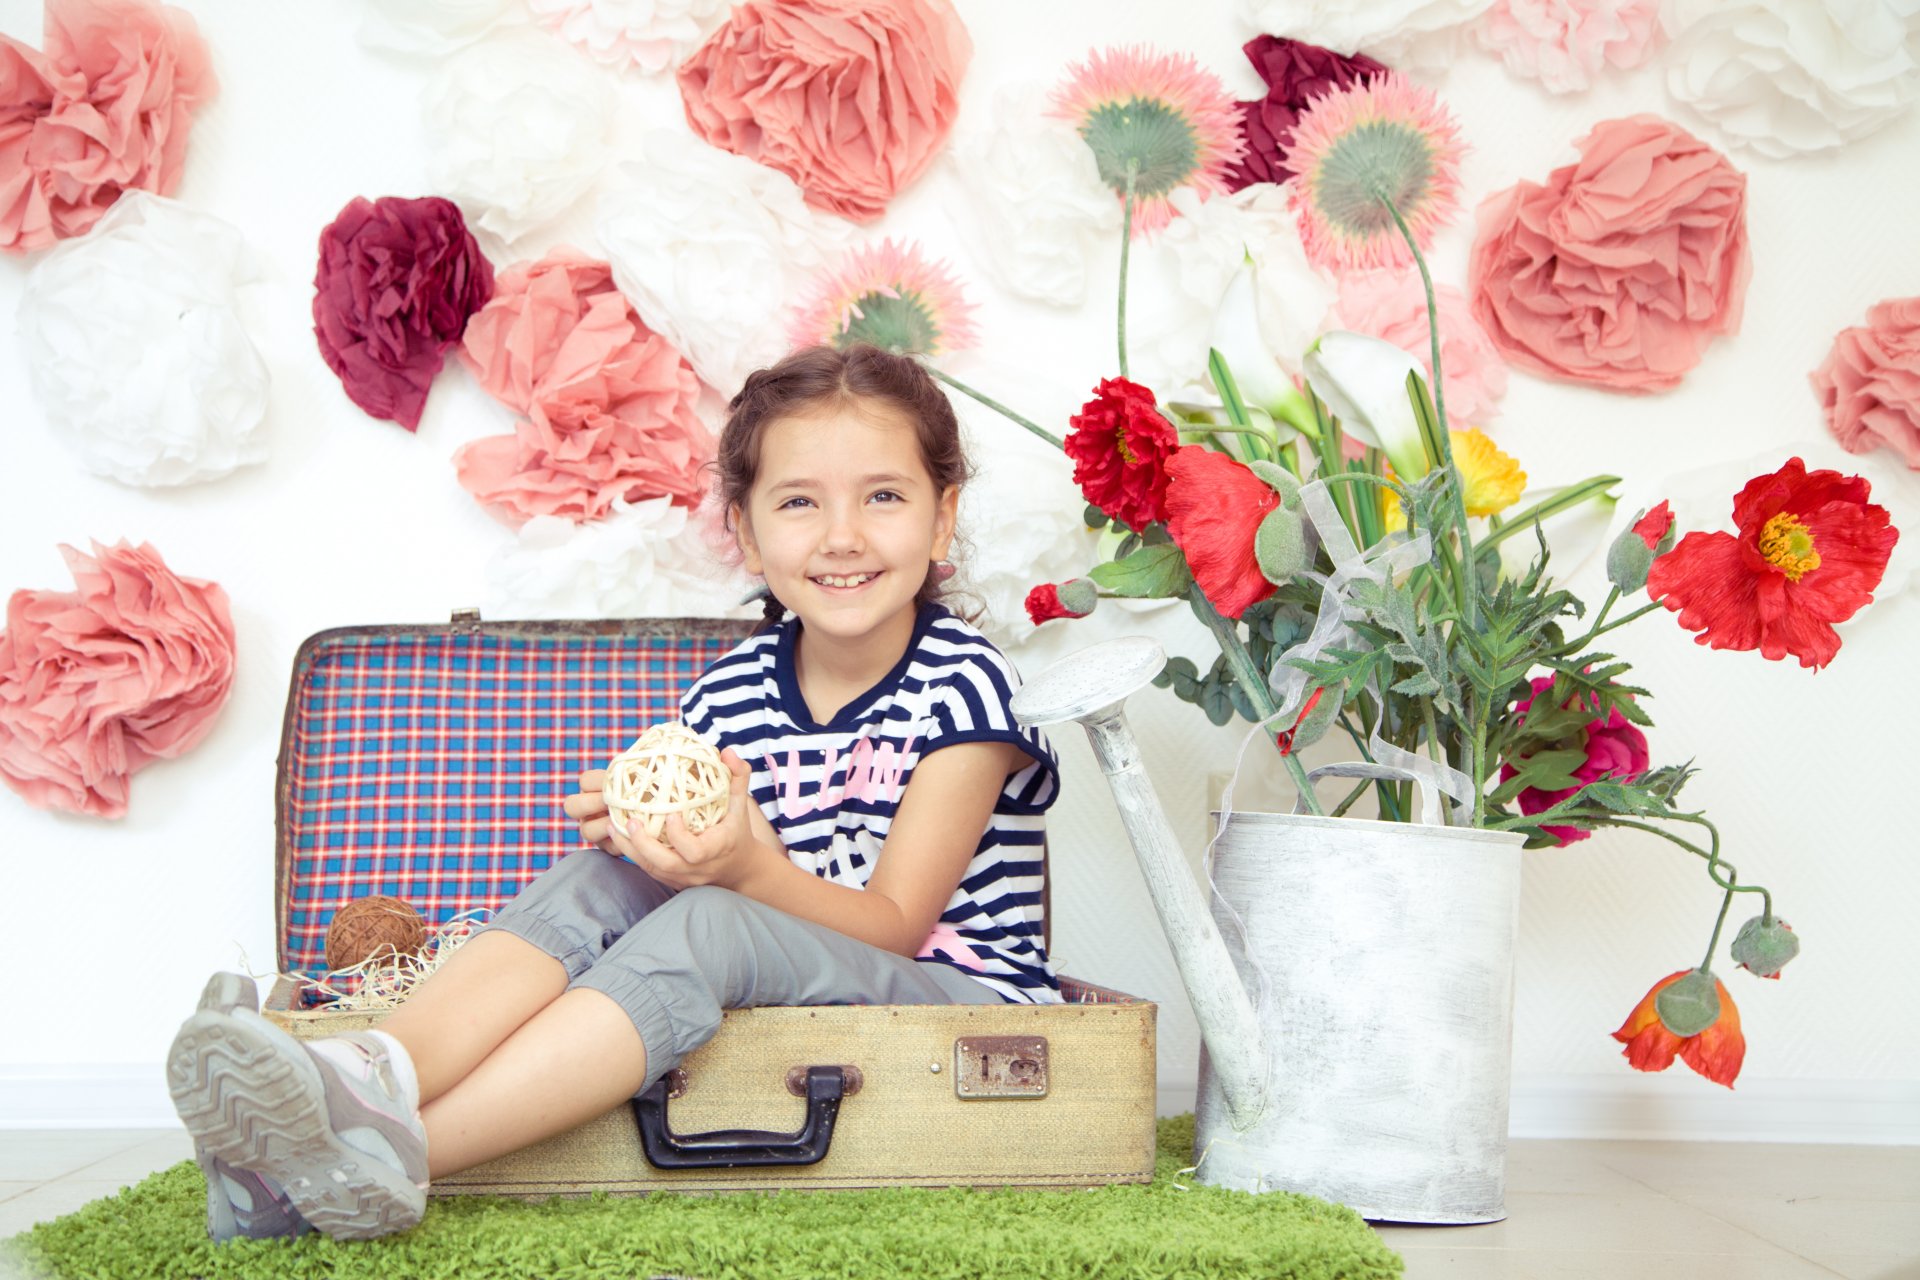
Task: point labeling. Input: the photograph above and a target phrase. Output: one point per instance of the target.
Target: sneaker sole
(224, 993)
(255, 1099)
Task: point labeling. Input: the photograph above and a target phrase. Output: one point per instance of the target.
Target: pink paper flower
(1563, 43)
(1869, 384)
(1622, 268)
(1615, 748)
(397, 281)
(104, 108)
(99, 682)
(608, 405)
(849, 98)
(889, 296)
(1392, 305)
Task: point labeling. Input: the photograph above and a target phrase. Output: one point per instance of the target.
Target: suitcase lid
(430, 762)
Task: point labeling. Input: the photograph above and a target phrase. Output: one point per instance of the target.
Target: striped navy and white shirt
(831, 790)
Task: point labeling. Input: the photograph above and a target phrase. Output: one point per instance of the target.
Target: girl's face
(843, 521)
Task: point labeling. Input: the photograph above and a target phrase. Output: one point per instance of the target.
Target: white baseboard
(1857, 1112)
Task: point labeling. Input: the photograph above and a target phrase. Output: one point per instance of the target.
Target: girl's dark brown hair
(861, 377)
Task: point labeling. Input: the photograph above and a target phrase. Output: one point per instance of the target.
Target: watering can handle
(1429, 794)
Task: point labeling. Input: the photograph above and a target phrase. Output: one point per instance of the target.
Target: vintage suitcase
(429, 763)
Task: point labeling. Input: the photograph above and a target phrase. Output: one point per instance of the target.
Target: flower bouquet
(1359, 559)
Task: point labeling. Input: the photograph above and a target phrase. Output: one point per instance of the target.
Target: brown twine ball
(366, 925)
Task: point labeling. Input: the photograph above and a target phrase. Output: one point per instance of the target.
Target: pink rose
(1562, 43)
(105, 108)
(1615, 749)
(1620, 270)
(1392, 305)
(99, 682)
(608, 405)
(397, 280)
(1870, 383)
(849, 98)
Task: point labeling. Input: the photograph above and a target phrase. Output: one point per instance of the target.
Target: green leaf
(1152, 573)
(1094, 517)
(1229, 390)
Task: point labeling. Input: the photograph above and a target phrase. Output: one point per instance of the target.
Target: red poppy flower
(1715, 1053)
(1045, 602)
(1119, 444)
(1214, 509)
(1809, 553)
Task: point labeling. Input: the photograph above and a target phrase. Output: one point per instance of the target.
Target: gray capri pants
(673, 960)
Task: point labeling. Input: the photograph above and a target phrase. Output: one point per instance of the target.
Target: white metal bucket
(1384, 995)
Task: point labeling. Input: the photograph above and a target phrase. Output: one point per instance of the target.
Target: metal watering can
(1353, 979)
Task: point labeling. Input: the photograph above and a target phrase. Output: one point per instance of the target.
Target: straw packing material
(387, 977)
(669, 769)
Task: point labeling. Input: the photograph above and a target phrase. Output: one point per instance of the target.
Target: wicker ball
(366, 925)
(669, 769)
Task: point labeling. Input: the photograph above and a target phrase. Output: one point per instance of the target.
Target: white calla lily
(1364, 381)
(1262, 381)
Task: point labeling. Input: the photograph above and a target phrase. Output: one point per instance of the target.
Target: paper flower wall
(96, 683)
(1401, 33)
(103, 109)
(397, 280)
(1786, 77)
(1564, 44)
(1032, 208)
(608, 405)
(641, 559)
(1392, 305)
(1621, 269)
(517, 129)
(889, 296)
(1869, 384)
(849, 98)
(136, 346)
(430, 28)
(650, 35)
(1296, 73)
(710, 246)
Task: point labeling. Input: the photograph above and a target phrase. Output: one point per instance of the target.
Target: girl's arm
(942, 815)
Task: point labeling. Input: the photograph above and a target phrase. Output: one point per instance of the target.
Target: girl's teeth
(854, 581)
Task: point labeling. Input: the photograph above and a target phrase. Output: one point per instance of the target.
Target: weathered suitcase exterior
(429, 763)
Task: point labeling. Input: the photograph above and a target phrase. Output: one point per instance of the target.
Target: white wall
(110, 927)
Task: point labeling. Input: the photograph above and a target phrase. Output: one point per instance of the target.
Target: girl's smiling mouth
(844, 582)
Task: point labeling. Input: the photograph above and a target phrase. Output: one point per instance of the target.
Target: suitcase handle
(741, 1148)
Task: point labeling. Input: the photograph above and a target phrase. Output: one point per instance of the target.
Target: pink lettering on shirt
(872, 774)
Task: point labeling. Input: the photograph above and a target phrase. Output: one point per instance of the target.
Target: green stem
(1254, 683)
(1126, 244)
(997, 407)
(1434, 748)
(1479, 760)
(1713, 943)
(1552, 506)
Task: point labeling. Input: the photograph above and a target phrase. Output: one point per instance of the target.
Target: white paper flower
(427, 28)
(1021, 518)
(1405, 34)
(712, 250)
(137, 349)
(645, 559)
(518, 127)
(1034, 210)
(652, 35)
(1183, 274)
(1786, 77)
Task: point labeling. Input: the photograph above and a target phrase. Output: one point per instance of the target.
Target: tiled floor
(1701, 1211)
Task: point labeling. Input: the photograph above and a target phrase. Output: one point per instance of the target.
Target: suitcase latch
(1000, 1066)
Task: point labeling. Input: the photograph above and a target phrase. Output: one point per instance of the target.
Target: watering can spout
(1092, 686)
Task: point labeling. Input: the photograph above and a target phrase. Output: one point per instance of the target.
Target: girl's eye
(790, 503)
(887, 495)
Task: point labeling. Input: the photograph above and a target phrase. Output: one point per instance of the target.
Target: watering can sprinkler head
(1090, 684)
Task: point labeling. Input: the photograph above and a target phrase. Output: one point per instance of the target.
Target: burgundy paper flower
(105, 108)
(608, 404)
(1869, 383)
(1296, 73)
(99, 682)
(1622, 268)
(1120, 443)
(397, 280)
(1615, 748)
(849, 98)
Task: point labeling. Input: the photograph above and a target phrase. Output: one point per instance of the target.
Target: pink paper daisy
(1359, 148)
(890, 296)
(1161, 116)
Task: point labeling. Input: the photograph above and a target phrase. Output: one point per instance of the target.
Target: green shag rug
(1168, 1228)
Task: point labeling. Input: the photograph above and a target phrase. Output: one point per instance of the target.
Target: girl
(883, 846)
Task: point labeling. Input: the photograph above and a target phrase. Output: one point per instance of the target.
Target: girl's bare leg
(486, 991)
(578, 1057)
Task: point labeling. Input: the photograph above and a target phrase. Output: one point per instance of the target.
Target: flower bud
(1073, 599)
(1764, 945)
(1689, 1006)
(1280, 545)
(1634, 551)
(1079, 596)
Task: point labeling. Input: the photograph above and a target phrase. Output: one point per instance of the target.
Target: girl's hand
(726, 854)
(588, 807)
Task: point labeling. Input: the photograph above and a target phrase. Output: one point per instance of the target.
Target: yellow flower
(1492, 480)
